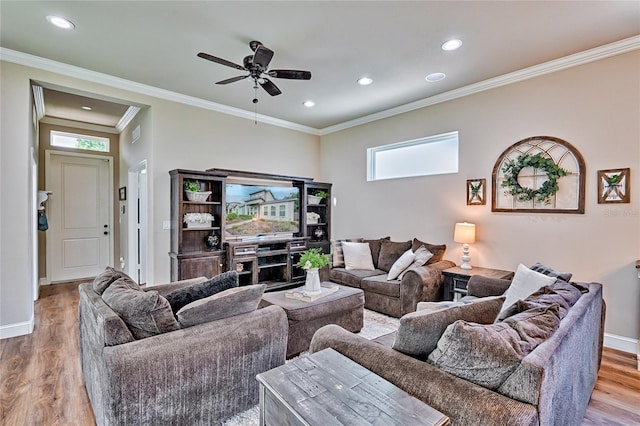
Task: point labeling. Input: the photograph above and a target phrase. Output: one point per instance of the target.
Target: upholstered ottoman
(345, 308)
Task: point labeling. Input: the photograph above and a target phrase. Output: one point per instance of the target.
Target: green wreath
(511, 170)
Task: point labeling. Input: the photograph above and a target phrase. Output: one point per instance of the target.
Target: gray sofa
(550, 386)
(199, 375)
(395, 297)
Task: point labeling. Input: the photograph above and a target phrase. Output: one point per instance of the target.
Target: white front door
(79, 242)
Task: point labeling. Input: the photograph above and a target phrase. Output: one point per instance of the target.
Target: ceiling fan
(258, 67)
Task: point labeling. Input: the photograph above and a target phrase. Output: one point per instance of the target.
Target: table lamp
(465, 233)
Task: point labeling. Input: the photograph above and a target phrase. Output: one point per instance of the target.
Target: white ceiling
(396, 43)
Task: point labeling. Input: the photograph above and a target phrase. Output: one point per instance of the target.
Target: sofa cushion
(524, 283)
(571, 292)
(422, 257)
(438, 250)
(352, 278)
(337, 256)
(183, 296)
(543, 297)
(357, 256)
(381, 285)
(108, 277)
(375, 245)
(549, 271)
(390, 251)
(146, 313)
(487, 354)
(227, 303)
(420, 331)
(401, 264)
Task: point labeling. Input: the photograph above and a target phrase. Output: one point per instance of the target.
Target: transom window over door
(78, 141)
(432, 155)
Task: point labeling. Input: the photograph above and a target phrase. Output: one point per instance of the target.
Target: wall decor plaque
(541, 174)
(614, 186)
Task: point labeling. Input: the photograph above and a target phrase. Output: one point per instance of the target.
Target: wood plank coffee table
(327, 388)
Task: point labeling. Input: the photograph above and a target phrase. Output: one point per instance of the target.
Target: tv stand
(270, 261)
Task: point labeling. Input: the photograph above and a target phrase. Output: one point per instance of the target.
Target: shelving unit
(190, 255)
(319, 232)
(268, 261)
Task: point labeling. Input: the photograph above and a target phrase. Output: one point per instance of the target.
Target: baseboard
(18, 329)
(621, 343)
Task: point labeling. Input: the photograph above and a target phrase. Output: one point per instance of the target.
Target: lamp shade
(465, 233)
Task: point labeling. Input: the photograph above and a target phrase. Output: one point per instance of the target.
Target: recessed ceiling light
(308, 104)
(60, 22)
(86, 108)
(365, 81)
(451, 44)
(436, 76)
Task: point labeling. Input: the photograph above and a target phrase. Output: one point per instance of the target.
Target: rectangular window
(433, 155)
(283, 211)
(72, 140)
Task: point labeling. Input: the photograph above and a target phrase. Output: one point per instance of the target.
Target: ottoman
(345, 308)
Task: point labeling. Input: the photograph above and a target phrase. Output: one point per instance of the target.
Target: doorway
(137, 223)
(80, 215)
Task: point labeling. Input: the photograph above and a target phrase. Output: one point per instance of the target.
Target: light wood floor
(41, 382)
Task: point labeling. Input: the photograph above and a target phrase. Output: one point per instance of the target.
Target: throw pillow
(192, 292)
(401, 264)
(390, 251)
(375, 245)
(337, 256)
(420, 331)
(482, 354)
(524, 283)
(546, 296)
(108, 277)
(571, 292)
(422, 257)
(146, 313)
(437, 250)
(539, 267)
(234, 301)
(357, 256)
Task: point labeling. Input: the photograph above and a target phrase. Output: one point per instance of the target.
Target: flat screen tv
(257, 210)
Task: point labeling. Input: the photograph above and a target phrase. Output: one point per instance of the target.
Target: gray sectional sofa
(394, 297)
(549, 385)
(200, 374)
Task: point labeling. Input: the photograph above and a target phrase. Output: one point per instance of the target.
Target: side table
(456, 279)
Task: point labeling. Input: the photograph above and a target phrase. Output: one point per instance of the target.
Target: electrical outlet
(166, 224)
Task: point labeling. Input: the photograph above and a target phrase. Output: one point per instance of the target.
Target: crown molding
(127, 117)
(595, 54)
(37, 62)
(38, 100)
(80, 125)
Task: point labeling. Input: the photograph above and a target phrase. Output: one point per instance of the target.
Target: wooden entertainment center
(207, 249)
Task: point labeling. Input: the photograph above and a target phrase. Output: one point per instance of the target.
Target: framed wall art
(614, 186)
(476, 192)
(541, 174)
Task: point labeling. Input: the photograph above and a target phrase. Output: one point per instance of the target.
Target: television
(261, 209)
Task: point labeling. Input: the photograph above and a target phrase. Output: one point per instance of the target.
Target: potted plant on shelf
(193, 193)
(198, 220)
(311, 260)
(316, 197)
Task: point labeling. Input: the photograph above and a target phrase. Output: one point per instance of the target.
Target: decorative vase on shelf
(312, 284)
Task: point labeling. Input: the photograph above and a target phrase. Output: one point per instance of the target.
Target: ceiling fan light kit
(258, 67)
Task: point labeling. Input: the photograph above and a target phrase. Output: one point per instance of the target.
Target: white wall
(16, 204)
(595, 107)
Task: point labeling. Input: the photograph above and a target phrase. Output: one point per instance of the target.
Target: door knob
(106, 233)
(106, 226)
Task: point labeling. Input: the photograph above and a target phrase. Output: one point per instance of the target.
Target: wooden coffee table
(327, 388)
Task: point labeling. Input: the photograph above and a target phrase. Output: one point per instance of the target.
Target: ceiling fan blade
(232, 79)
(271, 88)
(262, 56)
(291, 74)
(220, 61)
